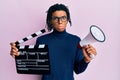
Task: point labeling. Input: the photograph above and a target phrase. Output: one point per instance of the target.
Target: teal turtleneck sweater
(65, 56)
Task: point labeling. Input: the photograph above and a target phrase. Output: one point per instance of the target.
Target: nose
(59, 21)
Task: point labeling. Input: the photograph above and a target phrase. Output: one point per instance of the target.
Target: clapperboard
(33, 59)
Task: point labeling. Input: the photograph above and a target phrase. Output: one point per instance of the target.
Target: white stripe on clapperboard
(22, 47)
(29, 37)
(41, 46)
(21, 41)
(32, 46)
(39, 32)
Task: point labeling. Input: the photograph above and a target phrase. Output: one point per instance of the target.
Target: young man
(65, 55)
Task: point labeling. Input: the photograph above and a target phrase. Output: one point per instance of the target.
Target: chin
(60, 30)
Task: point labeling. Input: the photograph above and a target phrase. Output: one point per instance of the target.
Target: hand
(88, 50)
(14, 51)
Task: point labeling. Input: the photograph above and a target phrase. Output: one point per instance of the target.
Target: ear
(70, 22)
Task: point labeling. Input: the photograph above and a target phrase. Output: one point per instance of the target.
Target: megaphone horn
(95, 35)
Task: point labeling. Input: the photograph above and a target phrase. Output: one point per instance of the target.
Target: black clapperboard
(33, 59)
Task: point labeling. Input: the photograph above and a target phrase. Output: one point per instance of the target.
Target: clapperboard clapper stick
(33, 59)
(30, 37)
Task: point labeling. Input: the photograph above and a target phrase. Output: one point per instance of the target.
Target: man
(65, 55)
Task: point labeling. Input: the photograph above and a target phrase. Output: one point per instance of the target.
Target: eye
(54, 18)
(64, 18)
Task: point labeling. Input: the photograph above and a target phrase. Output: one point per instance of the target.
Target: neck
(59, 34)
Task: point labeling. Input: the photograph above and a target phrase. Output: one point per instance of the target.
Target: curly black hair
(52, 9)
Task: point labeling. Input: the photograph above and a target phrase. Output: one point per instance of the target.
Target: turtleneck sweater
(65, 57)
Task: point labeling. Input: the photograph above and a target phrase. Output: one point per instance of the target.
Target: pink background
(19, 18)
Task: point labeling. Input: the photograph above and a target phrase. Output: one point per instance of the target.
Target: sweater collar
(59, 34)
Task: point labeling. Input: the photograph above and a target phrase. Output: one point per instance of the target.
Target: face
(59, 20)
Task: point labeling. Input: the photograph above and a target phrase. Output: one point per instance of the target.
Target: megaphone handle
(92, 55)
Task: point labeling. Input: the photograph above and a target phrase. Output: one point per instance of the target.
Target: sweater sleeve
(39, 41)
(79, 65)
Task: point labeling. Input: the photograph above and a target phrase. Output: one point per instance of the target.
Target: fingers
(89, 52)
(12, 44)
(86, 56)
(14, 51)
(90, 49)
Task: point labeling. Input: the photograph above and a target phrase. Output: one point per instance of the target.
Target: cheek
(65, 24)
(54, 24)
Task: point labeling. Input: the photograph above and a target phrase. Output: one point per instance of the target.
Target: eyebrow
(58, 16)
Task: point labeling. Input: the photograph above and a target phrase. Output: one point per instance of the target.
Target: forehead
(59, 13)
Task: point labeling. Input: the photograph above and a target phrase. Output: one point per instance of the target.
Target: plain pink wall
(19, 18)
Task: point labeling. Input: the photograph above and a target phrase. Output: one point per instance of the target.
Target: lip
(60, 26)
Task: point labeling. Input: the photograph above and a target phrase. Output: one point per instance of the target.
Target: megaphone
(95, 35)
